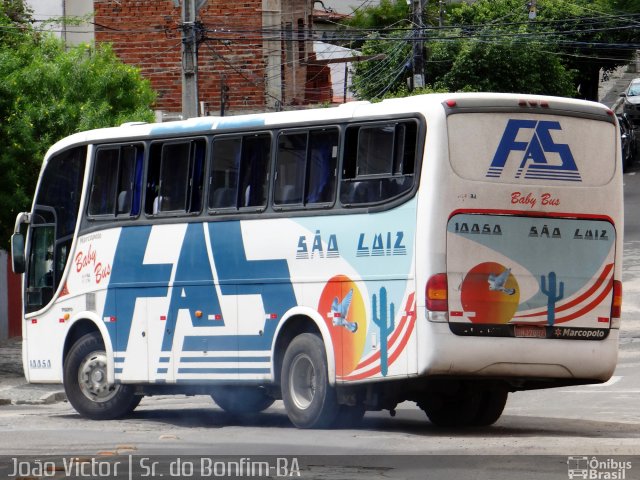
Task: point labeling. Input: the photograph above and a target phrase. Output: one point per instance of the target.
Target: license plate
(530, 331)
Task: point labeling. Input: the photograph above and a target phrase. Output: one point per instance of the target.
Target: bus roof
(456, 103)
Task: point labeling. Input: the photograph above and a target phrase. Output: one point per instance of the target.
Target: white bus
(443, 249)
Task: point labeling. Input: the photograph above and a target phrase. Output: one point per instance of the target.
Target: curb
(46, 399)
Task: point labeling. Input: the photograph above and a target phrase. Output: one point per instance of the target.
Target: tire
(492, 403)
(85, 382)
(451, 410)
(468, 407)
(308, 398)
(242, 400)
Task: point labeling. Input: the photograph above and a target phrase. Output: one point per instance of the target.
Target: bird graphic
(339, 312)
(497, 282)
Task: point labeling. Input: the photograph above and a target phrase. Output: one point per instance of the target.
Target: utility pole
(418, 45)
(224, 94)
(189, 60)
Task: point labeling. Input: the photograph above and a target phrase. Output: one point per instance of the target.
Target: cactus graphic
(385, 324)
(552, 295)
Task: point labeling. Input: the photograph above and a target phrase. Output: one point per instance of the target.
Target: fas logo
(537, 144)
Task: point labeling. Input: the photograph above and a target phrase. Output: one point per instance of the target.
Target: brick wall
(146, 33)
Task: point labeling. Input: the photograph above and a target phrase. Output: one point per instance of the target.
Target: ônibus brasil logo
(536, 142)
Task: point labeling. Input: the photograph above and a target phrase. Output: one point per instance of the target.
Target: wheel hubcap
(302, 381)
(92, 378)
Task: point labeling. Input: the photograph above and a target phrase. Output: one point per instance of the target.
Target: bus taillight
(436, 293)
(616, 307)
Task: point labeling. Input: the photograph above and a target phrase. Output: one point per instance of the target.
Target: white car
(631, 104)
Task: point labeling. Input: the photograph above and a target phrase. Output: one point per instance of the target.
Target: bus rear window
(532, 148)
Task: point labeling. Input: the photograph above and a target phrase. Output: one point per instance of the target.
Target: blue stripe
(542, 177)
(163, 370)
(224, 370)
(204, 123)
(224, 359)
(165, 359)
(117, 370)
(551, 174)
(119, 359)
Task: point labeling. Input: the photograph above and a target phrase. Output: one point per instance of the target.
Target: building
(252, 55)
(70, 20)
(257, 55)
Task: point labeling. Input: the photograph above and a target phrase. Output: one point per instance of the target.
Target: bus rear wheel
(242, 400)
(492, 403)
(308, 398)
(466, 407)
(85, 382)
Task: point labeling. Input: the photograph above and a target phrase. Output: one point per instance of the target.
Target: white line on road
(610, 392)
(613, 380)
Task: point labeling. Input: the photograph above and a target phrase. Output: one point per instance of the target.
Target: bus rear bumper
(517, 360)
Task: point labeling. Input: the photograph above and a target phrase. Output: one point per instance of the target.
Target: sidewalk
(14, 389)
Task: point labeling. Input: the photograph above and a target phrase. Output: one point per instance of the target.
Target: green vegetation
(495, 45)
(48, 92)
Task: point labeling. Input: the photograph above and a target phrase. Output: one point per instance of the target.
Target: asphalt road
(539, 432)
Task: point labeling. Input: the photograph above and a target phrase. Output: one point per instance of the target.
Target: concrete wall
(51, 14)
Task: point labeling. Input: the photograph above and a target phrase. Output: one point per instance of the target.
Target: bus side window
(321, 171)
(306, 167)
(290, 168)
(379, 162)
(130, 178)
(254, 169)
(152, 199)
(116, 182)
(175, 177)
(104, 183)
(198, 150)
(225, 171)
(137, 182)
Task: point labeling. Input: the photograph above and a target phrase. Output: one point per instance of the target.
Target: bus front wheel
(308, 398)
(85, 382)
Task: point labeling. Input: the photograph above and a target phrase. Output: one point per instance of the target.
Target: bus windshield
(53, 225)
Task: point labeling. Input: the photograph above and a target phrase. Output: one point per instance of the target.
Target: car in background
(631, 105)
(627, 141)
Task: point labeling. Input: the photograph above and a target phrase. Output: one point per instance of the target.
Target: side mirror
(623, 95)
(17, 253)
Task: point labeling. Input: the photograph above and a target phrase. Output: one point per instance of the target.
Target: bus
(444, 249)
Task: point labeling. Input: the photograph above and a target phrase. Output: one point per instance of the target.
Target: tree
(585, 35)
(374, 78)
(47, 93)
(385, 14)
(494, 45)
(513, 67)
